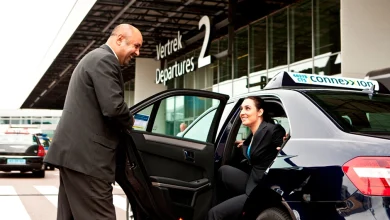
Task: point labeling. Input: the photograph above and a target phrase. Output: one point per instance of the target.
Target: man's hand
(132, 121)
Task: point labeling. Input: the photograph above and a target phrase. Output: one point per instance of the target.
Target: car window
(197, 131)
(243, 133)
(347, 119)
(277, 113)
(379, 120)
(205, 121)
(283, 121)
(175, 114)
(355, 112)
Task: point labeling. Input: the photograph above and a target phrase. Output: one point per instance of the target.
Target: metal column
(232, 21)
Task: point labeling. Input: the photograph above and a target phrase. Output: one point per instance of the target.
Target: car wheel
(40, 174)
(273, 214)
(49, 167)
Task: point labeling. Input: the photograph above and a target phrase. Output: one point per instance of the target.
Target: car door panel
(131, 175)
(170, 177)
(196, 185)
(165, 157)
(180, 181)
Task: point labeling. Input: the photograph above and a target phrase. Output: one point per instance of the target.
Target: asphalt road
(24, 197)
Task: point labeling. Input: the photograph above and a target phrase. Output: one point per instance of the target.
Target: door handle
(189, 156)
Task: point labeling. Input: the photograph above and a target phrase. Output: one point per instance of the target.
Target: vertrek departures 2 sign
(177, 69)
(182, 67)
(170, 47)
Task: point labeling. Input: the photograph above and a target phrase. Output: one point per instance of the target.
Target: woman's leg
(230, 209)
(232, 180)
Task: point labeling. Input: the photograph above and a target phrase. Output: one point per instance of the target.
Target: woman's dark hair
(259, 103)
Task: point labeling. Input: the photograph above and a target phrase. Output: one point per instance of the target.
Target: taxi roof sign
(287, 79)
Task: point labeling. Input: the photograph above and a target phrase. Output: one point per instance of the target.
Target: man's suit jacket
(263, 151)
(93, 116)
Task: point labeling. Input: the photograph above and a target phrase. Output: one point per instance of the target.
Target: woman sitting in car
(260, 149)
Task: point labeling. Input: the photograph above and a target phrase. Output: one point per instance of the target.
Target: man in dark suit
(87, 135)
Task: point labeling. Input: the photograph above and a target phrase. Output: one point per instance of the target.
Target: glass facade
(303, 37)
(47, 124)
(29, 120)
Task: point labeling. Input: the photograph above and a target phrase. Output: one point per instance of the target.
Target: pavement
(24, 197)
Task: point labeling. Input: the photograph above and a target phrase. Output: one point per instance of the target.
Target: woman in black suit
(260, 149)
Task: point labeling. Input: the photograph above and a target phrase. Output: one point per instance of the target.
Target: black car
(334, 163)
(45, 141)
(22, 152)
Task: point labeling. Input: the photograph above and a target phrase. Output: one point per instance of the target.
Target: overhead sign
(344, 82)
(170, 47)
(182, 67)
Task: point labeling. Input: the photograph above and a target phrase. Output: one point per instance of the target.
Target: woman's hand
(284, 139)
(239, 143)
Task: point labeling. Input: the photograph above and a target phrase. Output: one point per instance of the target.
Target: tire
(39, 174)
(273, 214)
(49, 167)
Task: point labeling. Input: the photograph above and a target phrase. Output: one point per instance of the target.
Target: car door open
(169, 175)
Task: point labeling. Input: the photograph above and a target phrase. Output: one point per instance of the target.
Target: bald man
(93, 117)
(183, 127)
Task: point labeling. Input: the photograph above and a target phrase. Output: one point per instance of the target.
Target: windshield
(356, 112)
(17, 139)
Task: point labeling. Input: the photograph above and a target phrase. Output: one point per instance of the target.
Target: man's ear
(119, 39)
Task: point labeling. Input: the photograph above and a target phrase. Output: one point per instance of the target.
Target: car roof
(301, 82)
(276, 90)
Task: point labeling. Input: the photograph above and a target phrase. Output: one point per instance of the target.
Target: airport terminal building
(302, 37)
(228, 46)
(42, 119)
(325, 37)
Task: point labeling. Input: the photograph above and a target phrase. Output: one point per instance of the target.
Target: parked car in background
(46, 141)
(21, 152)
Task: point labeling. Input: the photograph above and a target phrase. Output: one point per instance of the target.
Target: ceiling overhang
(158, 20)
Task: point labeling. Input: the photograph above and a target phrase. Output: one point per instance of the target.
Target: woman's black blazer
(263, 151)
